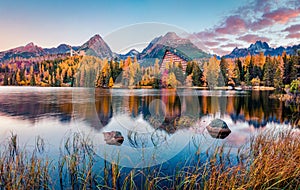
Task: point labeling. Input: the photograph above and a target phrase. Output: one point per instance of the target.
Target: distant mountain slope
(156, 49)
(61, 49)
(96, 46)
(30, 50)
(260, 46)
(132, 53)
(158, 46)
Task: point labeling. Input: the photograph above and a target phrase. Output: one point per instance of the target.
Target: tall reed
(271, 161)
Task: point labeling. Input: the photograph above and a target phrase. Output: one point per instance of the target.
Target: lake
(134, 129)
(157, 126)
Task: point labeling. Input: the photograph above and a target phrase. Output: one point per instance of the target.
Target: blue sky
(233, 22)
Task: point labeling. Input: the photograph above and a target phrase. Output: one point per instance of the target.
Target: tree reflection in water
(167, 110)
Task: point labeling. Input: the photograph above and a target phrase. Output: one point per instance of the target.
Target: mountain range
(171, 40)
(96, 46)
(260, 46)
(61, 49)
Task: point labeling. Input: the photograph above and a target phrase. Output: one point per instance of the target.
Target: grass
(272, 161)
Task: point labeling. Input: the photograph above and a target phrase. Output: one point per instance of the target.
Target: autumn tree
(172, 81)
(18, 77)
(224, 70)
(212, 72)
(255, 81)
(290, 71)
(236, 74)
(249, 71)
(86, 74)
(126, 72)
(261, 59)
(278, 77)
(197, 75)
(156, 75)
(230, 73)
(189, 68)
(189, 80)
(240, 70)
(32, 80)
(176, 69)
(135, 74)
(164, 80)
(138, 76)
(5, 79)
(111, 82)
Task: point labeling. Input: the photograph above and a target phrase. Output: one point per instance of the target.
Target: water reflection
(165, 109)
(163, 122)
(33, 103)
(157, 113)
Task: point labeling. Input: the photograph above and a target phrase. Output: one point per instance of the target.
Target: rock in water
(218, 129)
(113, 138)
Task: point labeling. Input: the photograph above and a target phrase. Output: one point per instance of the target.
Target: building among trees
(174, 56)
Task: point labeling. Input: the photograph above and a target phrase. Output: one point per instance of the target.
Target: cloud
(263, 20)
(263, 5)
(208, 34)
(260, 24)
(282, 15)
(211, 43)
(222, 39)
(232, 25)
(293, 35)
(231, 45)
(255, 16)
(292, 29)
(252, 38)
(278, 16)
(219, 51)
(204, 39)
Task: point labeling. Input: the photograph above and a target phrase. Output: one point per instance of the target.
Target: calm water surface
(158, 126)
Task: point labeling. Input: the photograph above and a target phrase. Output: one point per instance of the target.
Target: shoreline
(248, 88)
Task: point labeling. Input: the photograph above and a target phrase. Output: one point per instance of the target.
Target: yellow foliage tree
(111, 82)
(212, 72)
(172, 82)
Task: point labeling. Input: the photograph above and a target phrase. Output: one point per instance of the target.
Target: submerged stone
(113, 138)
(218, 129)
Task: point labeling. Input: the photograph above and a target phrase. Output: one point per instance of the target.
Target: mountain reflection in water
(164, 109)
(164, 122)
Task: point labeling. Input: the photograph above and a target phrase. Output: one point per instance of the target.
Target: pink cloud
(206, 35)
(220, 51)
(282, 15)
(293, 28)
(254, 16)
(293, 35)
(263, 5)
(204, 39)
(251, 38)
(260, 24)
(222, 39)
(211, 43)
(232, 25)
(231, 45)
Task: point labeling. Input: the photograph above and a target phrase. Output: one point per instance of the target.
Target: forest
(89, 71)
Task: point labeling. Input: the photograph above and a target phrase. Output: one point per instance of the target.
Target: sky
(216, 26)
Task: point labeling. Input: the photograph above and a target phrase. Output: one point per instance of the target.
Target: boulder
(113, 138)
(218, 129)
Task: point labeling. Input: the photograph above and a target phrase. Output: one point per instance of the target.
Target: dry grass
(271, 162)
(19, 170)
